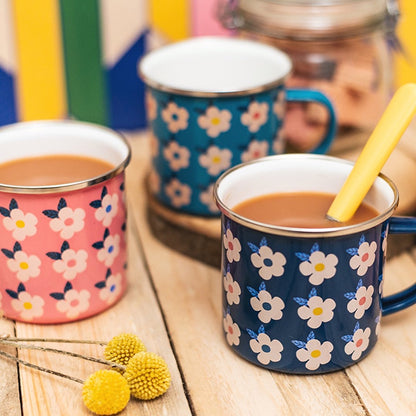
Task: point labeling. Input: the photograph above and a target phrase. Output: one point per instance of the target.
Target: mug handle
(406, 297)
(299, 94)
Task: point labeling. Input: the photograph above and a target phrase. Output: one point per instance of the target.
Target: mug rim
(300, 232)
(70, 186)
(157, 85)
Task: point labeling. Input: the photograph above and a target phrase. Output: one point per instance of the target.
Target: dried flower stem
(58, 340)
(37, 367)
(17, 344)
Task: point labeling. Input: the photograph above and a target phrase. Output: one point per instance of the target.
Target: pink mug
(63, 247)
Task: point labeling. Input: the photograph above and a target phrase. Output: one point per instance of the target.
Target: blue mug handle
(406, 297)
(298, 94)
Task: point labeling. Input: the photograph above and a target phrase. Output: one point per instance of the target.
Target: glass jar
(339, 47)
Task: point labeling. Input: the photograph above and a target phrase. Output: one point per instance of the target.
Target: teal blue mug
(212, 103)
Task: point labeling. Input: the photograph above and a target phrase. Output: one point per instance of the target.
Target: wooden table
(173, 304)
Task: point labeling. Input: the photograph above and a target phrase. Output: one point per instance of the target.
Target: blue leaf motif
(54, 255)
(357, 327)
(8, 253)
(302, 256)
(100, 285)
(362, 239)
(310, 336)
(359, 284)
(352, 251)
(21, 288)
(12, 293)
(61, 204)
(253, 247)
(104, 192)
(107, 274)
(262, 286)
(252, 291)
(347, 338)
(96, 204)
(301, 301)
(312, 293)
(57, 295)
(17, 247)
(13, 204)
(67, 287)
(106, 233)
(64, 246)
(263, 242)
(51, 213)
(315, 247)
(261, 329)
(98, 245)
(349, 295)
(251, 333)
(5, 212)
(299, 344)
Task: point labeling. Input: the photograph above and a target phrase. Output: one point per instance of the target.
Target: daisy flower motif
(108, 248)
(268, 262)
(110, 288)
(378, 324)
(207, 198)
(106, 207)
(357, 343)
(232, 289)
(215, 160)
(175, 117)
(24, 265)
(255, 116)
(312, 352)
(315, 309)
(179, 193)
(279, 105)
(317, 265)
(279, 143)
(68, 262)
(232, 246)
(71, 302)
(215, 121)
(20, 224)
(177, 156)
(255, 150)
(25, 304)
(363, 257)
(266, 349)
(151, 106)
(154, 182)
(231, 329)
(268, 307)
(360, 300)
(65, 220)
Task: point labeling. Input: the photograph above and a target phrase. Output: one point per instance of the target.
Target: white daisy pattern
(270, 264)
(313, 353)
(26, 305)
(360, 300)
(176, 155)
(232, 246)
(255, 116)
(363, 257)
(21, 224)
(65, 220)
(315, 310)
(215, 121)
(72, 302)
(25, 265)
(232, 289)
(215, 160)
(267, 349)
(106, 207)
(178, 193)
(255, 150)
(207, 198)
(279, 105)
(110, 288)
(268, 307)
(279, 143)
(231, 329)
(69, 262)
(175, 117)
(108, 248)
(358, 342)
(317, 265)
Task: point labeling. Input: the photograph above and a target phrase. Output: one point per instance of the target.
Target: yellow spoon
(375, 153)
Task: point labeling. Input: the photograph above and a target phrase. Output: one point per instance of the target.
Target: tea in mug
(298, 209)
(52, 170)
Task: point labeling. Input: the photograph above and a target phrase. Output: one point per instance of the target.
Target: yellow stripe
(40, 75)
(170, 18)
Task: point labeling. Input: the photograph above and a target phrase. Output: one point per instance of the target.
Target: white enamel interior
(40, 138)
(215, 64)
(292, 173)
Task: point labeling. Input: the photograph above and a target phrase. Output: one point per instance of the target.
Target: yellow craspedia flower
(122, 347)
(105, 392)
(147, 375)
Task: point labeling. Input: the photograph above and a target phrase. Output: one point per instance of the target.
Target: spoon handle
(375, 153)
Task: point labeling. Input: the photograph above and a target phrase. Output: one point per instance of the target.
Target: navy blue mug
(301, 300)
(212, 103)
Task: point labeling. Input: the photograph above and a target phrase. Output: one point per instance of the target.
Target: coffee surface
(51, 170)
(298, 209)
